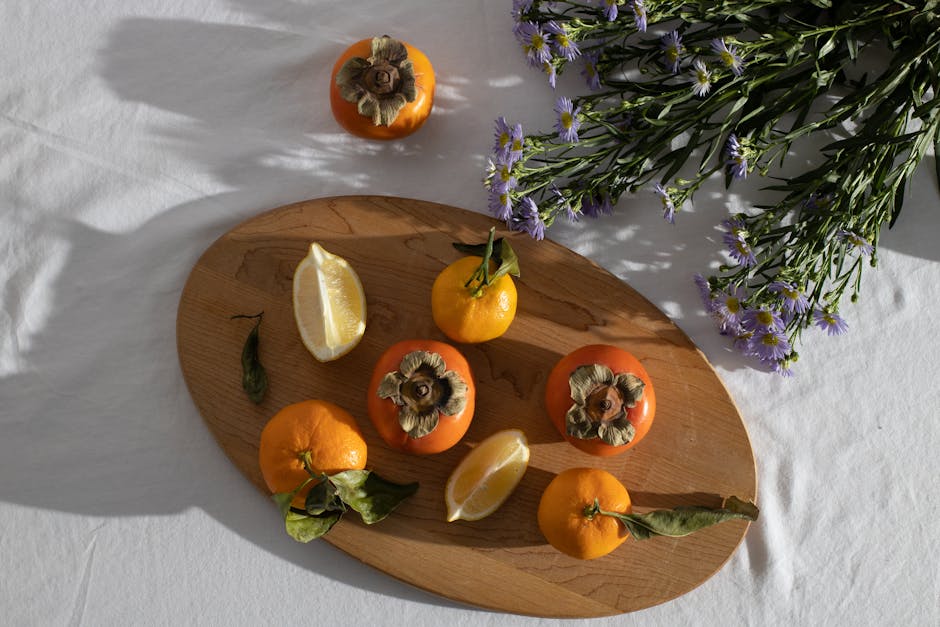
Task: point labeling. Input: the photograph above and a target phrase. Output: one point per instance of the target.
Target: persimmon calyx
(601, 399)
(381, 85)
(424, 390)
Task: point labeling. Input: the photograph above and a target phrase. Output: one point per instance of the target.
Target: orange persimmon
(382, 88)
(421, 396)
(601, 399)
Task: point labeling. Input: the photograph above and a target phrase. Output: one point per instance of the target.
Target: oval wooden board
(697, 451)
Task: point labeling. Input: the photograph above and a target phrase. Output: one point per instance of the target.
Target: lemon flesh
(329, 304)
(485, 478)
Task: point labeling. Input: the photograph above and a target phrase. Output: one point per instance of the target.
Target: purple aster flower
(502, 179)
(742, 342)
(737, 157)
(503, 139)
(672, 50)
(761, 319)
(568, 123)
(701, 78)
(783, 367)
(729, 309)
(792, 298)
(735, 225)
(590, 73)
(594, 207)
(521, 6)
(639, 15)
(564, 204)
(857, 241)
(739, 249)
(831, 322)
(535, 43)
(566, 48)
(705, 292)
(728, 56)
(610, 9)
(818, 201)
(669, 208)
(516, 144)
(769, 345)
(500, 205)
(530, 220)
(549, 68)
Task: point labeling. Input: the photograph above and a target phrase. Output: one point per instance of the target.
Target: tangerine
(468, 311)
(565, 517)
(310, 436)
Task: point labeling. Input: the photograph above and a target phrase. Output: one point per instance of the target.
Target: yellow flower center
(566, 120)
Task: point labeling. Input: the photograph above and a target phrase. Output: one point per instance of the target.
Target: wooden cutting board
(697, 451)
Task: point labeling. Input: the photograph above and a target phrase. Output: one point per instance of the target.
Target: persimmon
(474, 299)
(382, 88)
(601, 399)
(421, 396)
(312, 436)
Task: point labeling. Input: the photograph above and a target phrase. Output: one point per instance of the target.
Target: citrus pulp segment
(486, 476)
(329, 304)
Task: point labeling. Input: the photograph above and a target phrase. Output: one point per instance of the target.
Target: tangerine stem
(592, 510)
(307, 459)
(482, 273)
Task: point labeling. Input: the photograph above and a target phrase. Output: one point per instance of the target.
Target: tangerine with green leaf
(587, 513)
(474, 299)
(312, 436)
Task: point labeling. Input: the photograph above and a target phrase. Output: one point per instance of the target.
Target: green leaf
(304, 527)
(323, 498)
(682, 521)
(898, 202)
(936, 156)
(283, 500)
(254, 376)
(371, 495)
(500, 252)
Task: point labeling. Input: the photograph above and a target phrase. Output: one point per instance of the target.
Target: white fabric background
(134, 133)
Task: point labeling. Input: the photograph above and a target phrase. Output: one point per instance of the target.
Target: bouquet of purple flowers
(679, 92)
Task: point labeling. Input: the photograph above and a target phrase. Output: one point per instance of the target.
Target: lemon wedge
(486, 477)
(329, 304)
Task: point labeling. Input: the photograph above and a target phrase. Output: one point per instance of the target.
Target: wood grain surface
(696, 452)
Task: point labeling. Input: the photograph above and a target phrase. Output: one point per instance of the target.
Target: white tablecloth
(134, 133)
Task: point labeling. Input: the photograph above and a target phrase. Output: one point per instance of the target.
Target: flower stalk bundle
(679, 92)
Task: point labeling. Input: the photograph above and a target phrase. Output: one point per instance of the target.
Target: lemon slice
(486, 477)
(329, 304)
